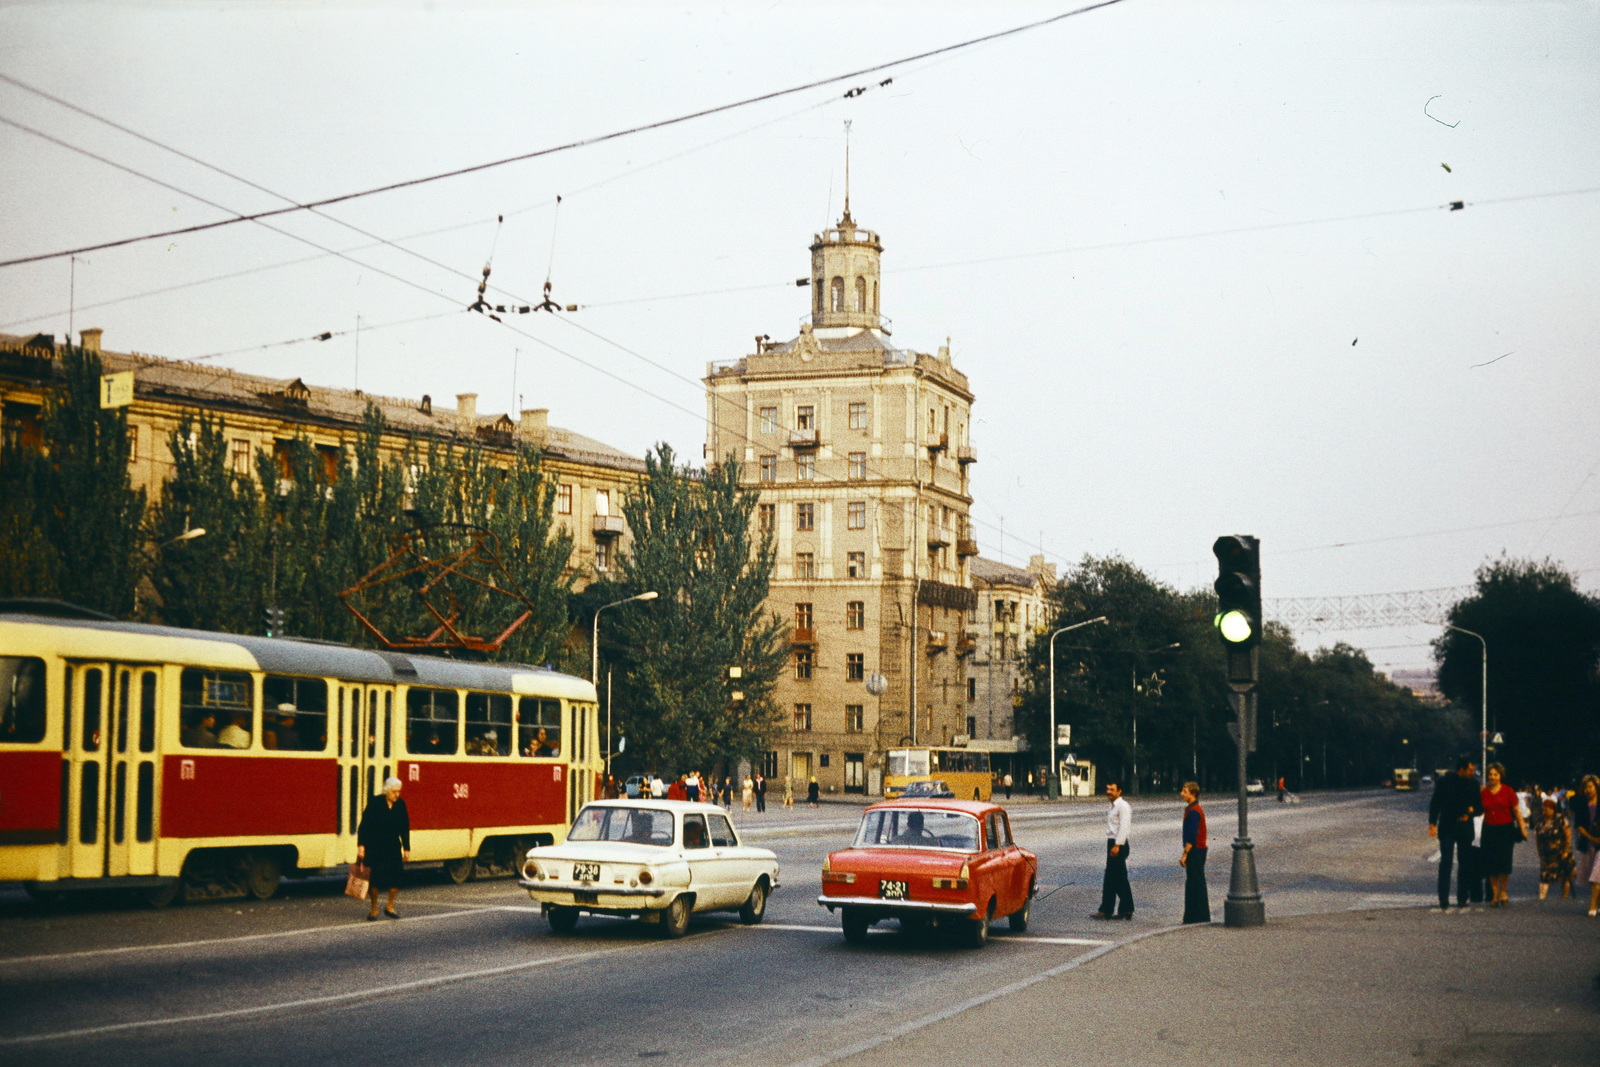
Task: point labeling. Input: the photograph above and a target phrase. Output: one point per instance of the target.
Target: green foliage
(69, 517)
(1543, 637)
(692, 545)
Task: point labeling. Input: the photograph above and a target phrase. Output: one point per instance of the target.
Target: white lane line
(235, 940)
(312, 1002)
(1024, 940)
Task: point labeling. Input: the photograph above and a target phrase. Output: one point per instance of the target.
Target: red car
(943, 863)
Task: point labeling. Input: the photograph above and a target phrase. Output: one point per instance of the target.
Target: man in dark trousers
(1115, 887)
(1456, 800)
(761, 791)
(1196, 902)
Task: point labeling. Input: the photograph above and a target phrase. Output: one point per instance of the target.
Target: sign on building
(1063, 733)
(116, 390)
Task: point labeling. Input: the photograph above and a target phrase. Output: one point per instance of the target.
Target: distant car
(942, 863)
(935, 790)
(1427, 779)
(656, 860)
(1254, 786)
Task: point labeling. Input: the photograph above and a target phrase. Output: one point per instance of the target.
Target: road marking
(236, 940)
(312, 1002)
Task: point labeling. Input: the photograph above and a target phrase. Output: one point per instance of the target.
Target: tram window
(388, 725)
(296, 719)
(22, 716)
(372, 724)
(144, 802)
(488, 724)
(431, 719)
(66, 724)
(217, 707)
(89, 804)
(122, 713)
(539, 727)
(91, 711)
(147, 714)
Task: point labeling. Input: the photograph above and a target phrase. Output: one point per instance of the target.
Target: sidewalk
(1504, 987)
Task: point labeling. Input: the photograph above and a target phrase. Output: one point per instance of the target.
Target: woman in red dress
(1502, 818)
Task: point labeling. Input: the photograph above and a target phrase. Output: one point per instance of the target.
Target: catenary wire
(581, 143)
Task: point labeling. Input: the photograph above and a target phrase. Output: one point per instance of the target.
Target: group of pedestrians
(1116, 893)
(1479, 826)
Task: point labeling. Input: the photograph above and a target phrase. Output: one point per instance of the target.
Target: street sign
(116, 390)
(1497, 739)
(1063, 733)
(877, 684)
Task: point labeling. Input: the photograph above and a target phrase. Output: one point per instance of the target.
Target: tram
(181, 762)
(965, 771)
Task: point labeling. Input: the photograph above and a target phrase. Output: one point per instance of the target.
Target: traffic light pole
(1244, 906)
(1239, 625)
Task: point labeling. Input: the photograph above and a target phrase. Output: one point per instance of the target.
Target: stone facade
(1010, 612)
(860, 451)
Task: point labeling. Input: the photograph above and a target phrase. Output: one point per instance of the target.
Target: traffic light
(1238, 588)
(274, 621)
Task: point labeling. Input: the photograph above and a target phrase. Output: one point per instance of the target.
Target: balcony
(804, 439)
(938, 444)
(804, 635)
(966, 546)
(609, 526)
(938, 641)
(965, 455)
(966, 644)
(938, 537)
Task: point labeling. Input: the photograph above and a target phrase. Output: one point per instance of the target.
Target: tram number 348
(459, 790)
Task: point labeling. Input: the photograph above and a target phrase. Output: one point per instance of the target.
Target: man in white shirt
(237, 733)
(1115, 888)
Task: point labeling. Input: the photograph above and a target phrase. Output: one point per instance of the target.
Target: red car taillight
(838, 878)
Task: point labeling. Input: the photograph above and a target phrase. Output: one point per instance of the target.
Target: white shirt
(234, 736)
(1119, 820)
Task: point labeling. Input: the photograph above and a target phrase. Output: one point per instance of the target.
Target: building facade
(860, 451)
(267, 414)
(1009, 613)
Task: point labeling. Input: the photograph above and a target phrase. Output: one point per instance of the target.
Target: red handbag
(358, 881)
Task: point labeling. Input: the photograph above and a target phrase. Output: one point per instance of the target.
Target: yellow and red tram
(210, 764)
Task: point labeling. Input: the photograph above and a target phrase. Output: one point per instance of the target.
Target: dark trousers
(1115, 887)
(761, 800)
(1462, 846)
(1196, 902)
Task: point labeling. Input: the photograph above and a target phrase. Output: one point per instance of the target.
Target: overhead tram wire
(326, 335)
(568, 146)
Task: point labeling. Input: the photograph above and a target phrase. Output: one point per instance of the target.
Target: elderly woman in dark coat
(384, 843)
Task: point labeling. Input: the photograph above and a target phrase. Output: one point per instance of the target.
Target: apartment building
(860, 450)
(1011, 609)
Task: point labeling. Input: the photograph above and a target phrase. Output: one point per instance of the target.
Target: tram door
(88, 703)
(366, 725)
(110, 755)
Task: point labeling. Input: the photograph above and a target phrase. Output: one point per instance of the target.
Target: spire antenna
(847, 168)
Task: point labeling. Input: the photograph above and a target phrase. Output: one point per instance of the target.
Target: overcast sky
(1196, 258)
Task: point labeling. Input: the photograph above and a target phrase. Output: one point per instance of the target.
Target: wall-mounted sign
(116, 390)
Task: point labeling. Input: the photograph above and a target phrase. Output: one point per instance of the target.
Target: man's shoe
(1103, 915)
(1129, 915)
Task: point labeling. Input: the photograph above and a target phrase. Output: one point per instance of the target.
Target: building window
(802, 664)
(861, 293)
(972, 726)
(133, 444)
(855, 718)
(563, 500)
(855, 615)
(805, 516)
(856, 515)
(822, 760)
(805, 467)
(855, 666)
(769, 420)
(602, 556)
(768, 517)
(602, 502)
(805, 566)
(802, 716)
(837, 288)
(858, 465)
(819, 296)
(239, 456)
(769, 765)
(802, 616)
(972, 690)
(858, 415)
(805, 417)
(769, 468)
(874, 297)
(856, 564)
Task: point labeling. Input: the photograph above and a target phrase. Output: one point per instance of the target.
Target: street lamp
(1483, 734)
(1053, 781)
(594, 660)
(1135, 672)
(188, 535)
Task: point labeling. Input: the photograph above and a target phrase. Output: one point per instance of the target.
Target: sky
(1197, 259)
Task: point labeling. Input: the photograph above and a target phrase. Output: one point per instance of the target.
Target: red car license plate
(893, 891)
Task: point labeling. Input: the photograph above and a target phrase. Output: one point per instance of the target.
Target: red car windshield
(918, 828)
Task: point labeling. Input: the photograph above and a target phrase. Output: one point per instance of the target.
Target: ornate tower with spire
(844, 272)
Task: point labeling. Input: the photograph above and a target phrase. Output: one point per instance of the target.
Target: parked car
(1254, 786)
(656, 860)
(1427, 781)
(637, 786)
(940, 863)
(934, 790)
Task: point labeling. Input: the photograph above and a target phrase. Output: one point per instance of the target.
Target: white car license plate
(585, 872)
(893, 890)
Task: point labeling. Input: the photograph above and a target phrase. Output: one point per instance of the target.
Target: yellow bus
(965, 771)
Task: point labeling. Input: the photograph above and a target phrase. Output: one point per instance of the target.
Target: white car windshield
(635, 826)
(918, 828)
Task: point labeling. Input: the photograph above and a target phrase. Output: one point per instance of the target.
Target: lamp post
(1135, 672)
(1053, 778)
(594, 660)
(1483, 734)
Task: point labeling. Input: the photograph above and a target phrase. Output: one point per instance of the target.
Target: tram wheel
(263, 875)
(459, 870)
(159, 896)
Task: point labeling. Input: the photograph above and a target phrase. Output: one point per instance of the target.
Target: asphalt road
(473, 975)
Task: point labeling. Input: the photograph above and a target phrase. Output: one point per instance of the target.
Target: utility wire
(581, 143)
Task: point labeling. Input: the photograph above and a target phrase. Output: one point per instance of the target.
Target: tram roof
(288, 655)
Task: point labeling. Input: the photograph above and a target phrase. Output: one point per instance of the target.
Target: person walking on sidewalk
(1554, 839)
(383, 841)
(812, 791)
(1586, 835)
(1502, 823)
(1009, 781)
(761, 792)
(1196, 903)
(1115, 888)
(1455, 801)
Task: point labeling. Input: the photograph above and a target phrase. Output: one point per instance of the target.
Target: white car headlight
(531, 869)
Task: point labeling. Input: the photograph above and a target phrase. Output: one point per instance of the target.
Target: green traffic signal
(1235, 627)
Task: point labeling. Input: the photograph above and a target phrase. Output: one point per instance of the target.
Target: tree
(1543, 637)
(692, 545)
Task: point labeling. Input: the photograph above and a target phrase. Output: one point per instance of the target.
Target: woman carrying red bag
(384, 844)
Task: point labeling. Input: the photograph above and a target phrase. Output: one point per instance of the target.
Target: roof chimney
(467, 405)
(535, 423)
(91, 339)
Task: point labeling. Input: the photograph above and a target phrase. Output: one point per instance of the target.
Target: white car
(656, 860)
(1254, 786)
